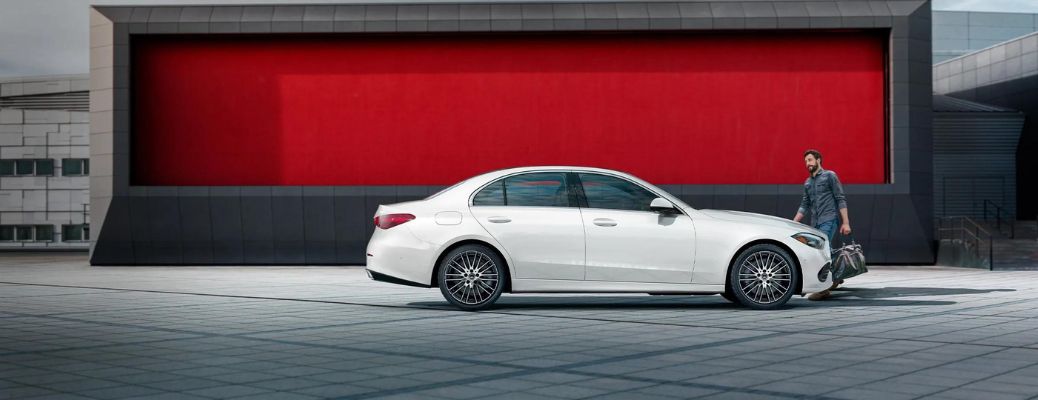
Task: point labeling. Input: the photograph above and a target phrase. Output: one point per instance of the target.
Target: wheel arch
(798, 288)
(439, 258)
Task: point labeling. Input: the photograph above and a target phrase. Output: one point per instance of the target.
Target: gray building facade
(150, 225)
(1004, 75)
(44, 163)
(974, 157)
(956, 33)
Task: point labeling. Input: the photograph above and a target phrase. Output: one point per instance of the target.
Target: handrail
(970, 233)
(998, 210)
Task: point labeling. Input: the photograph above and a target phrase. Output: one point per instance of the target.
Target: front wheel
(472, 277)
(763, 277)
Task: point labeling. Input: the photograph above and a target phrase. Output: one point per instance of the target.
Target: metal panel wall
(975, 160)
(1005, 75)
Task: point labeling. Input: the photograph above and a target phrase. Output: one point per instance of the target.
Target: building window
(75, 166)
(24, 167)
(44, 167)
(26, 233)
(44, 233)
(23, 233)
(75, 233)
(27, 167)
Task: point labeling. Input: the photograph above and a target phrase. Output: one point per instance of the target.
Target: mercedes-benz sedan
(576, 229)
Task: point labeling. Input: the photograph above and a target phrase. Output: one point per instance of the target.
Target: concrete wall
(959, 32)
(975, 160)
(44, 134)
(330, 225)
(1005, 75)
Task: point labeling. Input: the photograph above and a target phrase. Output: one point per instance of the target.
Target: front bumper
(816, 266)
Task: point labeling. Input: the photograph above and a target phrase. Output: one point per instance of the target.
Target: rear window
(537, 189)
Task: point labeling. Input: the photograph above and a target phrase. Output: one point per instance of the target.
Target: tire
(763, 277)
(472, 277)
(730, 297)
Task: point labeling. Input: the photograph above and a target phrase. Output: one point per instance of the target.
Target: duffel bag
(848, 261)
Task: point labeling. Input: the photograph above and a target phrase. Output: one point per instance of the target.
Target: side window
(611, 193)
(537, 189)
(493, 195)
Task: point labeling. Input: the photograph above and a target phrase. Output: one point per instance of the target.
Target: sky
(51, 37)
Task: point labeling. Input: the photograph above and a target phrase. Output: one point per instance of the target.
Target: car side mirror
(662, 205)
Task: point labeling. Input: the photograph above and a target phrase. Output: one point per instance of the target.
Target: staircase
(1016, 248)
(995, 245)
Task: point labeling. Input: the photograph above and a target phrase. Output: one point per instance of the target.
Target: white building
(44, 163)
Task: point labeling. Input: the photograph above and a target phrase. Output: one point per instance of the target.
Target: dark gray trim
(910, 190)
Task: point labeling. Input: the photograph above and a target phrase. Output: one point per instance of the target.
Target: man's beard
(812, 168)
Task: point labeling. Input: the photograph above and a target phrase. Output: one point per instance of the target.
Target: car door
(535, 218)
(628, 242)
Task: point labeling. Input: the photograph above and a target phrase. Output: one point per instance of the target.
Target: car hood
(759, 219)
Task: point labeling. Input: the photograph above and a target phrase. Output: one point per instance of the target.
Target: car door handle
(499, 220)
(604, 222)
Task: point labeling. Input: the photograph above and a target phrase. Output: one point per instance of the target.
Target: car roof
(574, 168)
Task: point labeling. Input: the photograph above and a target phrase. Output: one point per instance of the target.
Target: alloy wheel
(472, 278)
(765, 277)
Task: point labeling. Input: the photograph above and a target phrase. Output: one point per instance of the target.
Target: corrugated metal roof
(951, 104)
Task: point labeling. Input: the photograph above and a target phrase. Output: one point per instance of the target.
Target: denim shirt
(823, 196)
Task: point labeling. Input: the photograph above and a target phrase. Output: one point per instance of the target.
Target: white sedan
(576, 229)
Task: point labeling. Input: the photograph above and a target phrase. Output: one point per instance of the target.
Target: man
(823, 196)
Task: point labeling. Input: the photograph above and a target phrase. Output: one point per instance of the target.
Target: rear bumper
(380, 277)
(399, 254)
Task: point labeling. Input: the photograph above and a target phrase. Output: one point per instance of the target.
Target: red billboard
(672, 108)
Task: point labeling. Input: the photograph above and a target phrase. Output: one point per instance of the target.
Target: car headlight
(809, 239)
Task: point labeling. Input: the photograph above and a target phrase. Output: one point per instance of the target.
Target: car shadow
(895, 292)
(671, 302)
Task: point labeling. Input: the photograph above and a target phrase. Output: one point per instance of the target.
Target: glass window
(86, 232)
(44, 233)
(611, 193)
(71, 167)
(24, 167)
(538, 189)
(6, 233)
(44, 167)
(6, 167)
(492, 195)
(23, 233)
(71, 233)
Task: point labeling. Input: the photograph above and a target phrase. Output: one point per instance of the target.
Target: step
(1015, 254)
(1023, 229)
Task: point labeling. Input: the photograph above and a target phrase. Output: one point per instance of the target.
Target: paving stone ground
(71, 331)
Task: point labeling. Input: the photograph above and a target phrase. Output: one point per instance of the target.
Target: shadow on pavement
(894, 292)
(675, 302)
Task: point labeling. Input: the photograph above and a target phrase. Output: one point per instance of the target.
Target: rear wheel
(763, 277)
(472, 277)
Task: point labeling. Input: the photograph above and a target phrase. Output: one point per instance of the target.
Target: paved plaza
(69, 331)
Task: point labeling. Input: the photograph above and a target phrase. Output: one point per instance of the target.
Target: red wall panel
(431, 110)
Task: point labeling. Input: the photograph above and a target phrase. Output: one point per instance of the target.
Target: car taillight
(390, 220)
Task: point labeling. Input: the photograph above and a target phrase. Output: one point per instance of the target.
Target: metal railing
(970, 234)
(998, 211)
